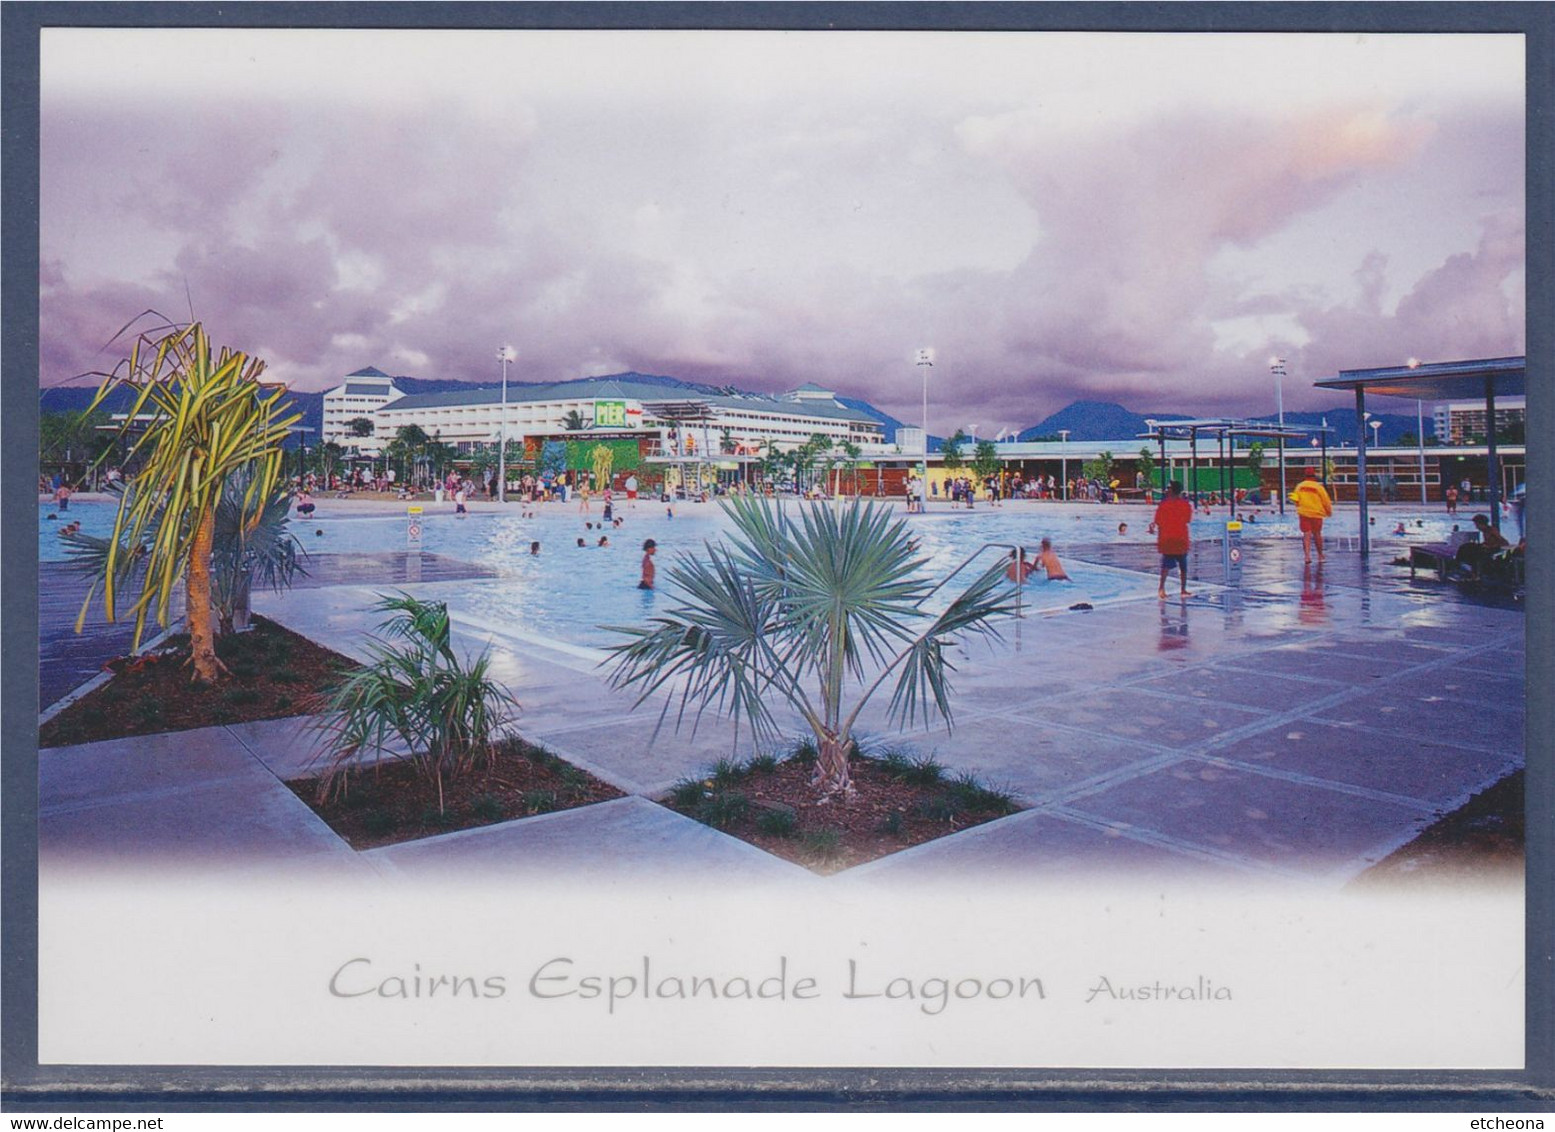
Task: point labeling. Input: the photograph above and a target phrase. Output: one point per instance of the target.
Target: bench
(1439, 556)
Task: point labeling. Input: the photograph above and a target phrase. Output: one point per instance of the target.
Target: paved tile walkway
(1299, 728)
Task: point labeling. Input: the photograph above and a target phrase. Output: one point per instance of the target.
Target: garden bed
(1483, 836)
(274, 673)
(898, 802)
(392, 801)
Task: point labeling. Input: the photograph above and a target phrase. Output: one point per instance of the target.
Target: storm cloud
(1133, 218)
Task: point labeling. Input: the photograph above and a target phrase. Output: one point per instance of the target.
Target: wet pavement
(1302, 726)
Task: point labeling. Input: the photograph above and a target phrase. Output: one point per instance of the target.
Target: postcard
(782, 550)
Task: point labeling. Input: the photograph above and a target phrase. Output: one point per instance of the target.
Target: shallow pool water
(567, 592)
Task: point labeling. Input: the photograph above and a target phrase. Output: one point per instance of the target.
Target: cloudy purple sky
(1132, 217)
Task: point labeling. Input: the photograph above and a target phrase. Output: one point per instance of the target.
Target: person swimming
(1022, 565)
(650, 548)
(1049, 562)
(534, 548)
(581, 543)
(604, 540)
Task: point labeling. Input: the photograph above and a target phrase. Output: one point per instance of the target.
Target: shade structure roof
(684, 410)
(1436, 381)
(1222, 426)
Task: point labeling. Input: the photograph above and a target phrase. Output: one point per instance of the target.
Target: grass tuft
(823, 844)
(379, 822)
(939, 807)
(969, 793)
(723, 809)
(687, 794)
(539, 801)
(488, 807)
(925, 770)
(778, 821)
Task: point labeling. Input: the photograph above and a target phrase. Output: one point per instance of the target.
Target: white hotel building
(363, 394)
(675, 422)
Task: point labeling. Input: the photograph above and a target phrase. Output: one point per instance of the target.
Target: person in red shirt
(1171, 539)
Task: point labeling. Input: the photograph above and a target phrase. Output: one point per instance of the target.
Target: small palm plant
(448, 714)
(818, 615)
(244, 550)
(249, 548)
(201, 415)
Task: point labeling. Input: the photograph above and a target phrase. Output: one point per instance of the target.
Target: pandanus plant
(818, 614)
(245, 549)
(198, 416)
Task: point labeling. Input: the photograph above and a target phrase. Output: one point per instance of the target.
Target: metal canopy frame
(1438, 381)
(1224, 429)
(683, 413)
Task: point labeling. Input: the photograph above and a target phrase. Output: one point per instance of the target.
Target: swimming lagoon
(570, 594)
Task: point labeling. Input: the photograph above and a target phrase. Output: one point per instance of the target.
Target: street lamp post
(1277, 368)
(1063, 462)
(505, 355)
(924, 360)
(1376, 442)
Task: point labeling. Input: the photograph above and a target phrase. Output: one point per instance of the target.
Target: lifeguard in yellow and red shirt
(1313, 505)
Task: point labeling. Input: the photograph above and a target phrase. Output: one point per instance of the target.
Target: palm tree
(818, 615)
(250, 548)
(67, 439)
(205, 416)
(361, 426)
(850, 455)
(573, 421)
(775, 462)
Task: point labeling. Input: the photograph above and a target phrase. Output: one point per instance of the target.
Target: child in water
(1049, 562)
(649, 549)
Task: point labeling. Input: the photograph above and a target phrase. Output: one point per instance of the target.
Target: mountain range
(1084, 420)
(1105, 420)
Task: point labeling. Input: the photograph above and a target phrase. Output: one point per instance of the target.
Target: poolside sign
(413, 528)
(1231, 552)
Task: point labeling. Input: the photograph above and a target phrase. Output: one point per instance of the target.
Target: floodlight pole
(925, 361)
(506, 355)
(1063, 462)
(1277, 368)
